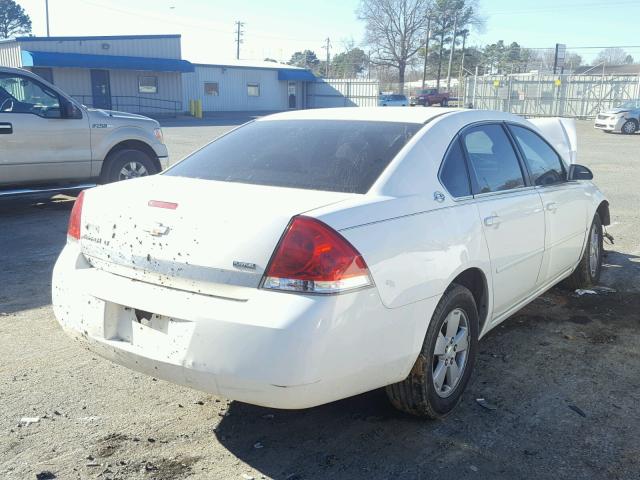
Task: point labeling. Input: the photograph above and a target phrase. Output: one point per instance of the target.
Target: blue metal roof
(99, 37)
(81, 60)
(296, 75)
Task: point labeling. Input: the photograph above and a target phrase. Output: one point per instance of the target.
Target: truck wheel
(629, 127)
(427, 103)
(128, 163)
(587, 273)
(443, 368)
(444, 102)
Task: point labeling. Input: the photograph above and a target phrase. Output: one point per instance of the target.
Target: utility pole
(239, 32)
(453, 46)
(426, 51)
(327, 47)
(46, 6)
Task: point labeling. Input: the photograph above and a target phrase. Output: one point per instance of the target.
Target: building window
(211, 88)
(147, 84)
(253, 89)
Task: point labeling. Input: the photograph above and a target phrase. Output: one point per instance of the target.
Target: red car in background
(430, 96)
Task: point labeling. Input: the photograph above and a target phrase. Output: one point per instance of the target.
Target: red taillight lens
(312, 257)
(75, 219)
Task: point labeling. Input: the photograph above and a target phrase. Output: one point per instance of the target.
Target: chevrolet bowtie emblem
(158, 229)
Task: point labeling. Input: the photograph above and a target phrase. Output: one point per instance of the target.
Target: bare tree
(395, 31)
(613, 56)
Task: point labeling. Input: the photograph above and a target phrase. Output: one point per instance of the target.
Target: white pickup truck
(49, 141)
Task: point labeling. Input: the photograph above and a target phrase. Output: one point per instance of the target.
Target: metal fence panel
(342, 92)
(578, 96)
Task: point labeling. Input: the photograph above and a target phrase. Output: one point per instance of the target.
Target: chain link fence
(578, 96)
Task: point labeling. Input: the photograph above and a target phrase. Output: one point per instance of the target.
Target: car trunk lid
(202, 236)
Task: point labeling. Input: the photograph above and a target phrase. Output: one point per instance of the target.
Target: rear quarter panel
(415, 257)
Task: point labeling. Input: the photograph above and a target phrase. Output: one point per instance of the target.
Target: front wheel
(127, 164)
(587, 273)
(629, 127)
(443, 368)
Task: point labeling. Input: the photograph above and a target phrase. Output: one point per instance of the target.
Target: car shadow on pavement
(33, 234)
(545, 375)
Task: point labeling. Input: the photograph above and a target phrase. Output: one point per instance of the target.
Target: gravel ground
(562, 374)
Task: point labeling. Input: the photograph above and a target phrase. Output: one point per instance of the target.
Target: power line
(239, 33)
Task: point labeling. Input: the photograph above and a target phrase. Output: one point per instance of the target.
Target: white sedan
(313, 255)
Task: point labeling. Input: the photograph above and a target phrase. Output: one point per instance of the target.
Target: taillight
(75, 220)
(313, 258)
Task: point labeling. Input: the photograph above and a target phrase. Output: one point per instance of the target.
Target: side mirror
(579, 172)
(71, 110)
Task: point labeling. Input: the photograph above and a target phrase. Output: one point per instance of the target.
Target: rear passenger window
(493, 163)
(454, 172)
(543, 162)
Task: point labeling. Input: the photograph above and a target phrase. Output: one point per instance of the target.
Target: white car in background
(313, 255)
(624, 118)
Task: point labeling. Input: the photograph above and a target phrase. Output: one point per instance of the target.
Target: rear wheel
(629, 127)
(444, 103)
(443, 368)
(587, 273)
(127, 164)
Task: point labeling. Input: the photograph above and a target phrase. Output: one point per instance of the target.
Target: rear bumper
(275, 349)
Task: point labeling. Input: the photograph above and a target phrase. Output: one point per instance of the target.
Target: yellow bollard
(192, 107)
(199, 108)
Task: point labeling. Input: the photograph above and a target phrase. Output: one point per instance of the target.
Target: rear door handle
(5, 128)
(492, 221)
(552, 206)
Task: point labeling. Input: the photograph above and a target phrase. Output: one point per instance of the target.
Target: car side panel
(567, 219)
(415, 257)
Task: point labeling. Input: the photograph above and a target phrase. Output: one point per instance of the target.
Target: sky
(277, 28)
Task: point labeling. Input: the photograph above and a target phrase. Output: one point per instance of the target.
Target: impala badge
(158, 229)
(244, 265)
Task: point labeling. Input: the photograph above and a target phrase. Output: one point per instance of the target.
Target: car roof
(418, 115)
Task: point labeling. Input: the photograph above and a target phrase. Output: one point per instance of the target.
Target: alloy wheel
(132, 170)
(629, 127)
(450, 353)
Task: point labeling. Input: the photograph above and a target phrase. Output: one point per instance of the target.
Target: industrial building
(138, 73)
(147, 74)
(247, 86)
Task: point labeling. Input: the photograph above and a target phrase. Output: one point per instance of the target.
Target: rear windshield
(331, 155)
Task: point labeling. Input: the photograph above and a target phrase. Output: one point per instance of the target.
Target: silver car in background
(393, 100)
(625, 118)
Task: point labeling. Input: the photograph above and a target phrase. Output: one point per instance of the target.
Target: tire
(418, 394)
(137, 162)
(444, 103)
(629, 127)
(587, 273)
(427, 103)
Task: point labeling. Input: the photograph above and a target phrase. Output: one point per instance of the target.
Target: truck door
(39, 140)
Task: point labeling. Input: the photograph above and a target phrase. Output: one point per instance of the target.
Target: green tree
(349, 64)
(307, 59)
(450, 24)
(13, 19)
